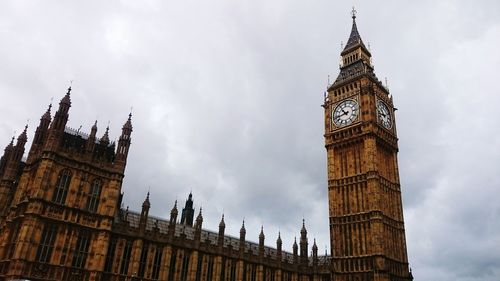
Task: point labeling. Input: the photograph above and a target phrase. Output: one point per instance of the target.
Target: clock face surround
(345, 113)
(384, 115)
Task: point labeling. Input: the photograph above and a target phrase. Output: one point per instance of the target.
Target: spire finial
(69, 89)
(353, 13)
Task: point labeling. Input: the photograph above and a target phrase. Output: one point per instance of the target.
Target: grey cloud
(226, 101)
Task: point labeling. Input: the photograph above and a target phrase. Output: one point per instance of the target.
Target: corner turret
(222, 229)
(40, 134)
(146, 205)
(303, 244)
(124, 143)
(261, 241)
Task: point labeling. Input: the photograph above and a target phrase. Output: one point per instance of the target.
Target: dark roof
(354, 38)
(133, 219)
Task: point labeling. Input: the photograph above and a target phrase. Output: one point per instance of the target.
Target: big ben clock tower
(367, 231)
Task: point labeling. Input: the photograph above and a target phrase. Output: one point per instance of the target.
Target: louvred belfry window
(62, 186)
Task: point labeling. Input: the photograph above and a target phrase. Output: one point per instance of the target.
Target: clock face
(345, 113)
(384, 115)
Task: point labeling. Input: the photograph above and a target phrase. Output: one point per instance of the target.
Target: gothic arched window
(62, 186)
(94, 194)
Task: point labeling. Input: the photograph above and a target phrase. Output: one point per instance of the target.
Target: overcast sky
(226, 102)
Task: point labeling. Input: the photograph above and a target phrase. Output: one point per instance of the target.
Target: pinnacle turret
(23, 137)
(146, 202)
(144, 213)
(199, 219)
(105, 138)
(222, 224)
(261, 235)
(47, 114)
(173, 220)
(61, 116)
(174, 211)
(67, 99)
(222, 229)
(243, 231)
(124, 143)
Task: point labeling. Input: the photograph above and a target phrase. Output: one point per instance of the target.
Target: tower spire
(187, 215)
(124, 142)
(354, 37)
(61, 116)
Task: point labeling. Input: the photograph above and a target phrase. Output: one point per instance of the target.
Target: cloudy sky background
(226, 102)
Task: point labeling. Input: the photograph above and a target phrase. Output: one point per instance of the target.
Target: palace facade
(61, 216)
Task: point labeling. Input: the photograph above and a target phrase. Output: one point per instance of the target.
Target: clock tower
(367, 231)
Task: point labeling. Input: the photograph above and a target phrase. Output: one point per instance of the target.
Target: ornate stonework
(366, 216)
(61, 215)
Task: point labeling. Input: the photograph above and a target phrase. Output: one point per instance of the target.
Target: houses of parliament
(61, 216)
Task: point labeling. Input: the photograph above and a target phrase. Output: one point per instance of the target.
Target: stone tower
(187, 215)
(365, 210)
(57, 223)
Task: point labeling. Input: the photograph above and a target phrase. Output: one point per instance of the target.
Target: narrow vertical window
(126, 257)
(171, 271)
(62, 186)
(46, 244)
(210, 270)
(81, 250)
(110, 255)
(199, 267)
(253, 274)
(143, 260)
(94, 194)
(223, 270)
(185, 266)
(157, 263)
(233, 270)
(245, 272)
(14, 231)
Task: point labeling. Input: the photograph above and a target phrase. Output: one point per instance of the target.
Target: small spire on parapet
(47, 114)
(303, 231)
(174, 209)
(23, 137)
(67, 99)
(242, 229)
(105, 137)
(199, 218)
(128, 123)
(146, 201)
(222, 223)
